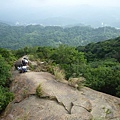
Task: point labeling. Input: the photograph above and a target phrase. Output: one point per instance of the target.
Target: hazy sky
(50, 3)
(17, 10)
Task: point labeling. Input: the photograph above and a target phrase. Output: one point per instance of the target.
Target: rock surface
(59, 101)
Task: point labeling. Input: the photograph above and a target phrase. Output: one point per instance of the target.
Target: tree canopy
(5, 95)
(15, 37)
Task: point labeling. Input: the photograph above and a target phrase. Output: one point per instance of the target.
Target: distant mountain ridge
(86, 14)
(15, 37)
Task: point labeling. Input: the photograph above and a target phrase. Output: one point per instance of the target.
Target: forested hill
(14, 37)
(102, 50)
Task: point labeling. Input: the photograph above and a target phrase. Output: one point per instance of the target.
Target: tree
(69, 59)
(5, 95)
(4, 72)
(8, 56)
(103, 76)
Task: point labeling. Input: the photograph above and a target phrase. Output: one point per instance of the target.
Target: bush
(118, 91)
(8, 56)
(59, 74)
(39, 91)
(104, 78)
(5, 97)
(4, 72)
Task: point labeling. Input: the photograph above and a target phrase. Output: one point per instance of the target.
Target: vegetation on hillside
(98, 63)
(102, 50)
(103, 69)
(6, 62)
(15, 37)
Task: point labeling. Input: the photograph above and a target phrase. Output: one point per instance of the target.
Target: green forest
(98, 63)
(14, 37)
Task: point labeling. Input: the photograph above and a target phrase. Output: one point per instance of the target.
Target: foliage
(97, 62)
(8, 56)
(39, 91)
(16, 37)
(25, 51)
(103, 77)
(102, 50)
(118, 91)
(69, 59)
(101, 74)
(102, 71)
(5, 95)
(4, 72)
(59, 74)
(76, 82)
(44, 52)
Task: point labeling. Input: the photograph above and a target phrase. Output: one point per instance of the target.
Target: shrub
(76, 82)
(103, 78)
(31, 57)
(39, 91)
(118, 91)
(59, 74)
(5, 97)
(4, 71)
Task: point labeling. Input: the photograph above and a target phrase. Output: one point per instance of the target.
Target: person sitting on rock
(22, 69)
(24, 61)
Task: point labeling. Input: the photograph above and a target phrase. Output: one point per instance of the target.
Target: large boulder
(18, 63)
(58, 101)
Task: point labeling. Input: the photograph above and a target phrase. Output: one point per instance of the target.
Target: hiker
(24, 61)
(22, 69)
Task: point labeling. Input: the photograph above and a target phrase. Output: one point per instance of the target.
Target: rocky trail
(59, 101)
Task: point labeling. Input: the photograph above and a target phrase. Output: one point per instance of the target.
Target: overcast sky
(36, 9)
(46, 3)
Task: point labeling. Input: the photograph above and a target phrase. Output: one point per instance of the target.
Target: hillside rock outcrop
(59, 101)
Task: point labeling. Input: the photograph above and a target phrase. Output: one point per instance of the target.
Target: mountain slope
(15, 37)
(102, 50)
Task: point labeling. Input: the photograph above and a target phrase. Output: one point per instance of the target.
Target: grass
(39, 91)
(76, 82)
(59, 74)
